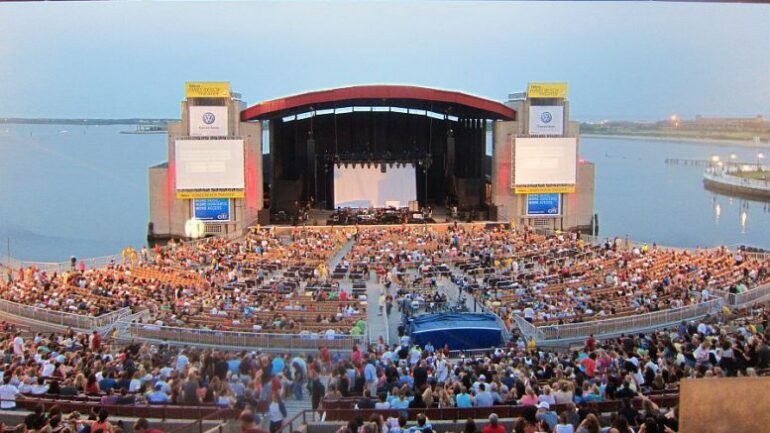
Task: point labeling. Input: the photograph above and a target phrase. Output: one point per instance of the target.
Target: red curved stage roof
(440, 101)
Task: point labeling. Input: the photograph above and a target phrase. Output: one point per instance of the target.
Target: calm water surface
(71, 190)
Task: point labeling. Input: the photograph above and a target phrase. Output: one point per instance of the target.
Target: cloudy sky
(623, 60)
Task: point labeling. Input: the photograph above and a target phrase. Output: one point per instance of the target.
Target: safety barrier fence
(60, 318)
(214, 338)
(729, 178)
(746, 298)
(629, 324)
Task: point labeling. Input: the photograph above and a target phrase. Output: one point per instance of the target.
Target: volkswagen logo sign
(546, 117)
(208, 118)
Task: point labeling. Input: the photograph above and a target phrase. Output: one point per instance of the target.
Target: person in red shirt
(143, 426)
(589, 365)
(591, 343)
(494, 425)
(96, 341)
(326, 359)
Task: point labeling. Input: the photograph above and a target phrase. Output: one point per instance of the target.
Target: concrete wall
(577, 208)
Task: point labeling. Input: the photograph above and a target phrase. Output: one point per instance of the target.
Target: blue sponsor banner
(543, 204)
(211, 209)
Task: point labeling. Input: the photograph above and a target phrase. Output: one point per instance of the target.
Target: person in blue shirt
(107, 383)
(463, 399)
(405, 379)
(370, 375)
(158, 396)
(234, 365)
(278, 365)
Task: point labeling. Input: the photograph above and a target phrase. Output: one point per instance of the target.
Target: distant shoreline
(693, 140)
(129, 121)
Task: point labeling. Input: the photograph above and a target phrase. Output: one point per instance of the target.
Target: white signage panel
(545, 161)
(546, 120)
(209, 164)
(208, 121)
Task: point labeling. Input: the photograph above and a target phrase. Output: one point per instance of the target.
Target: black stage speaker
(450, 154)
(263, 217)
(492, 212)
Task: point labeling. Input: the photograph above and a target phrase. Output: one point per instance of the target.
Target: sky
(622, 60)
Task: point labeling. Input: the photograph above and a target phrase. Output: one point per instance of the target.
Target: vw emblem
(209, 118)
(546, 117)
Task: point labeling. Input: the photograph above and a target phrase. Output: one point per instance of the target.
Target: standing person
(316, 389)
(276, 413)
(370, 375)
(248, 423)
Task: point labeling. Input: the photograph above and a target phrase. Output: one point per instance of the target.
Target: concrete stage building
(370, 146)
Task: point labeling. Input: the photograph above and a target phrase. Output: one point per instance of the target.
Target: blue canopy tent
(461, 331)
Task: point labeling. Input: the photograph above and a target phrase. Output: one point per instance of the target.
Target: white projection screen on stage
(209, 164)
(362, 187)
(545, 161)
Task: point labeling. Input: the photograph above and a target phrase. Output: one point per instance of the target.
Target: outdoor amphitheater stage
(351, 217)
(369, 146)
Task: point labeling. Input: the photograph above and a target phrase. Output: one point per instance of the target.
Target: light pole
(714, 162)
(760, 157)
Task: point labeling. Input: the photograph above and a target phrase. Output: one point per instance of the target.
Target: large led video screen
(362, 187)
(209, 164)
(545, 161)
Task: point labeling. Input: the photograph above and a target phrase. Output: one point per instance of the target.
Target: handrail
(187, 428)
(628, 324)
(210, 337)
(729, 178)
(290, 423)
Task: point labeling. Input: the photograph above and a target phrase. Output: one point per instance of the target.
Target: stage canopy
(449, 102)
(460, 331)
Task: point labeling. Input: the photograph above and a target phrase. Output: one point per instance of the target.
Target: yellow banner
(561, 189)
(183, 195)
(214, 89)
(547, 90)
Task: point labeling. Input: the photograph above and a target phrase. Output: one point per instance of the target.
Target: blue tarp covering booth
(461, 331)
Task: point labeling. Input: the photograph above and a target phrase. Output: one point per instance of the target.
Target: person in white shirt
(39, 388)
(18, 345)
(275, 413)
(47, 369)
(8, 394)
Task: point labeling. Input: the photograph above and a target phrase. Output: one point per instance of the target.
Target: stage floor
(440, 214)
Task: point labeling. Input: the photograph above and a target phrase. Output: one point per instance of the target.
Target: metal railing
(728, 178)
(628, 324)
(51, 317)
(527, 330)
(234, 339)
(748, 297)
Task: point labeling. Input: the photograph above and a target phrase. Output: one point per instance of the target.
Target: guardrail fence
(618, 325)
(266, 341)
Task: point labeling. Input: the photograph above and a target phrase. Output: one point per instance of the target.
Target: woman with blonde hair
(529, 398)
(546, 396)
